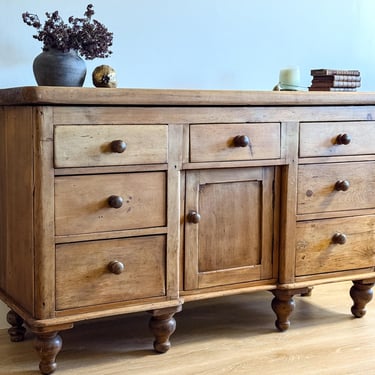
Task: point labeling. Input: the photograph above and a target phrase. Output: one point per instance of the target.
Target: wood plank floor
(231, 335)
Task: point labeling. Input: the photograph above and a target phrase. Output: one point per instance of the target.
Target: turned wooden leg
(17, 331)
(162, 325)
(47, 345)
(361, 293)
(283, 306)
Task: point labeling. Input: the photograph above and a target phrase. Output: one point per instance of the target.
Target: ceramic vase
(57, 68)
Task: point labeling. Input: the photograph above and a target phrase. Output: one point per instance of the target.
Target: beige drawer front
(216, 142)
(91, 145)
(84, 276)
(318, 184)
(317, 252)
(82, 203)
(320, 138)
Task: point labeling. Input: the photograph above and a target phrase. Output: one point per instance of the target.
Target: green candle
(289, 78)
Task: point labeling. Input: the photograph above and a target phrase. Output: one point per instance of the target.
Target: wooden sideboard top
(39, 95)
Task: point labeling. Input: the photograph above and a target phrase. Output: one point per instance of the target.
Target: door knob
(118, 146)
(339, 238)
(241, 141)
(343, 139)
(116, 267)
(115, 201)
(342, 185)
(193, 217)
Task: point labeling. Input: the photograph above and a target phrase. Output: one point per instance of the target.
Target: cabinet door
(229, 226)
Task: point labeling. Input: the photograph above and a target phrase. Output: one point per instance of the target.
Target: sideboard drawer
(336, 187)
(86, 272)
(217, 142)
(336, 138)
(335, 245)
(95, 145)
(83, 203)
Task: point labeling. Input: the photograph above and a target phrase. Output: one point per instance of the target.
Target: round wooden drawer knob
(115, 201)
(118, 146)
(342, 185)
(116, 267)
(343, 139)
(241, 141)
(193, 217)
(339, 238)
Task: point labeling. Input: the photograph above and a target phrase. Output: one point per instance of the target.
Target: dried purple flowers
(88, 37)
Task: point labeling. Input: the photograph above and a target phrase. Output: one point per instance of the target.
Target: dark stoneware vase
(57, 68)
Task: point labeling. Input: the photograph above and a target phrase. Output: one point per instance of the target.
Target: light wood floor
(231, 335)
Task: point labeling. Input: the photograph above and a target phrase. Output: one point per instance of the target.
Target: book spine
(337, 77)
(336, 84)
(338, 89)
(325, 72)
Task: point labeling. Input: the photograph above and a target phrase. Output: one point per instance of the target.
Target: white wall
(206, 44)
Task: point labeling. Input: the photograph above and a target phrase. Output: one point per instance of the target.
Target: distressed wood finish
(87, 96)
(336, 187)
(318, 250)
(117, 270)
(44, 219)
(327, 143)
(17, 129)
(87, 146)
(214, 114)
(263, 142)
(83, 203)
(118, 201)
(231, 242)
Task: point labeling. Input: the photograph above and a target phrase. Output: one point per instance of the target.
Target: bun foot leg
(17, 331)
(47, 345)
(361, 293)
(283, 306)
(162, 325)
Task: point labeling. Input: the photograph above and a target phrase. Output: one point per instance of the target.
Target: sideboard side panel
(16, 206)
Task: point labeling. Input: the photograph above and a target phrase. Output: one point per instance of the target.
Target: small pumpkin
(104, 76)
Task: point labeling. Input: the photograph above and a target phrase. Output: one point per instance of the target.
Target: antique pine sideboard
(126, 200)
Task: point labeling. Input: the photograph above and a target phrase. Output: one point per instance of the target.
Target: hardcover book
(337, 77)
(332, 83)
(329, 72)
(331, 89)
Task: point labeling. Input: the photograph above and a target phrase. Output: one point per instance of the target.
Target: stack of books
(335, 80)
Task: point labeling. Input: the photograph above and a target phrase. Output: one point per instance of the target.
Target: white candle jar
(289, 78)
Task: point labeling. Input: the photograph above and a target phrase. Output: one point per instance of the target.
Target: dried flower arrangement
(87, 36)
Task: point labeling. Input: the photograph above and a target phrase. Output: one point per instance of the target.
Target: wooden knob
(115, 201)
(343, 139)
(193, 217)
(116, 267)
(342, 185)
(339, 238)
(241, 141)
(118, 146)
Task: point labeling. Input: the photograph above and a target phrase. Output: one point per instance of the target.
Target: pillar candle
(289, 78)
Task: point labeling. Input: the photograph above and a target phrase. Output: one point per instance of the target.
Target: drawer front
(88, 204)
(335, 245)
(85, 272)
(319, 187)
(217, 142)
(93, 145)
(324, 138)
